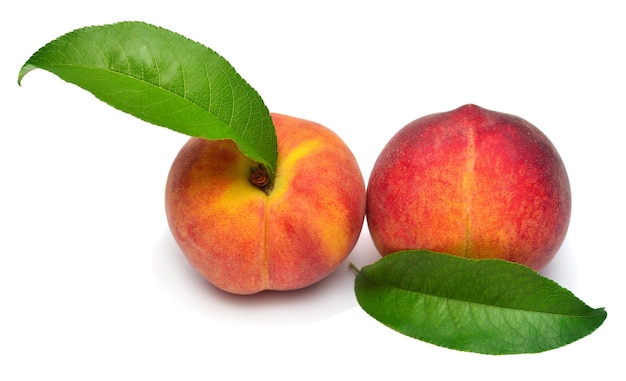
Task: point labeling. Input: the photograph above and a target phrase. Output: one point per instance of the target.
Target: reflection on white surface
(329, 297)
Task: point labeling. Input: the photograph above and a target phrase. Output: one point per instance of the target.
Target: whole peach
(470, 182)
(244, 239)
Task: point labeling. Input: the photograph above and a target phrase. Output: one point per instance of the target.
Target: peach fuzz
(470, 182)
(245, 241)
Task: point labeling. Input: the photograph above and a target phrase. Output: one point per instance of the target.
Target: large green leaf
(484, 306)
(165, 79)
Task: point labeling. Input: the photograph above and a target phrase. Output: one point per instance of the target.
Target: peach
(245, 240)
(470, 182)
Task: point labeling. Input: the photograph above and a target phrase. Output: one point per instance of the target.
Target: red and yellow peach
(473, 183)
(244, 240)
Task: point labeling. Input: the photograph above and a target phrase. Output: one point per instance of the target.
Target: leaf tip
(23, 71)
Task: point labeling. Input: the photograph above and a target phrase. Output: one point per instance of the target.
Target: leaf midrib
(146, 83)
(593, 312)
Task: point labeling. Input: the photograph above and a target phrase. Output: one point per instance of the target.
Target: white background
(92, 285)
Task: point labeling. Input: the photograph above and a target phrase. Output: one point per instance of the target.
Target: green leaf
(165, 79)
(486, 306)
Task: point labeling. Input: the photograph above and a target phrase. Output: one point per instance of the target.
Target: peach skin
(473, 183)
(243, 240)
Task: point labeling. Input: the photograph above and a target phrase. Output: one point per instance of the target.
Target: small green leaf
(486, 306)
(165, 79)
